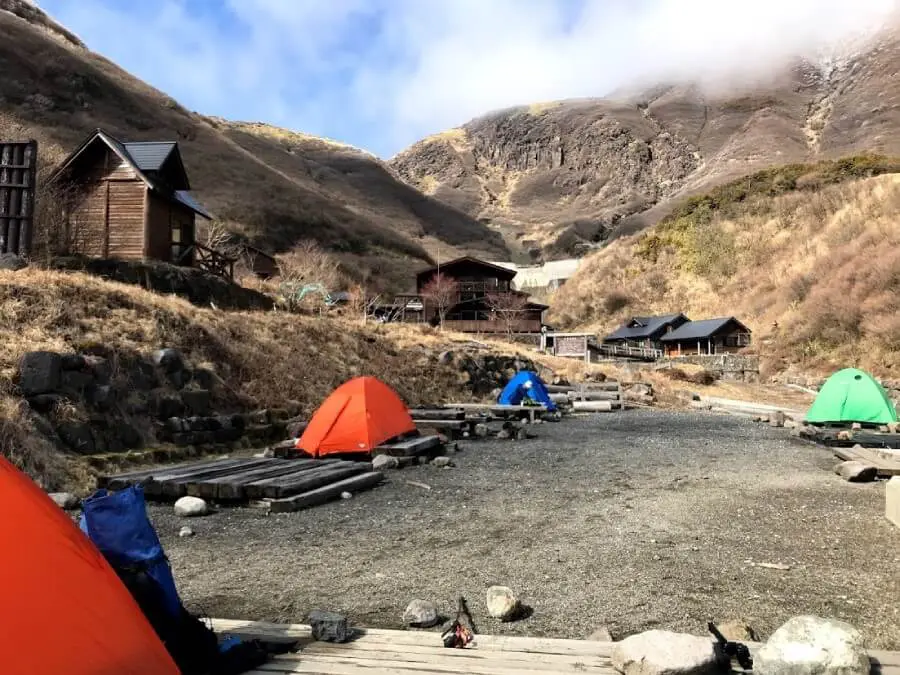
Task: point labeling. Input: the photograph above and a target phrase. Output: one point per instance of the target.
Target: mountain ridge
(558, 178)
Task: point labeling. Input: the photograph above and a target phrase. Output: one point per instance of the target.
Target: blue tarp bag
(524, 385)
(117, 523)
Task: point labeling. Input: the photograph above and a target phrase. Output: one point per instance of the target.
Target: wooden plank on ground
(437, 413)
(232, 485)
(885, 466)
(326, 493)
(123, 480)
(176, 486)
(443, 424)
(595, 396)
(304, 480)
(410, 446)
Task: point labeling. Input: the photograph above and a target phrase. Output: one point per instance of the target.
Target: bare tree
(55, 232)
(308, 274)
(442, 292)
(360, 302)
(507, 307)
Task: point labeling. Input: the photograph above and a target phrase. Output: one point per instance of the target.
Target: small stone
(189, 507)
(481, 430)
(893, 427)
(185, 532)
(420, 614)
(856, 426)
(384, 463)
(445, 358)
(503, 434)
(738, 631)
(502, 603)
(809, 645)
(602, 634)
(441, 462)
(346, 495)
(777, 419)
(856, 472)
(65, 500)
(844, 435)
(662, 652)
(521, 434)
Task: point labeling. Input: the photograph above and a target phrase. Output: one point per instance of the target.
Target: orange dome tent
(357, 417)
(64, 608)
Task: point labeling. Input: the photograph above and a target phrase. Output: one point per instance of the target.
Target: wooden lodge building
(674, 335)
(645, 332)
(132, 201)
(470, 311)
(711, 336)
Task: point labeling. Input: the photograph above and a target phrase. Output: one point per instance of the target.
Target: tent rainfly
(356, 417)
(851, 395)
(524, 385)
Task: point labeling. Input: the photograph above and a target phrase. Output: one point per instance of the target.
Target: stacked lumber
(596, 396)
(283, 484)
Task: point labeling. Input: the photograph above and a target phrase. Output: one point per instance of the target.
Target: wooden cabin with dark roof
(132, 201)
(645, 332)
(477, 282)
(724, 335)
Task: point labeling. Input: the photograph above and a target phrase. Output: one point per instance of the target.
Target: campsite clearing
(635, 520)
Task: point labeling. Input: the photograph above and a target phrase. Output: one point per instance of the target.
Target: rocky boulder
(420, 614)
(502, 603)
(809, 645)
(856, 472)
(661, 652)
(10, 262)
(65, 500)
(191, 507)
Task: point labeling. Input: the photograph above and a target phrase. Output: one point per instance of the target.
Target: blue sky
(381, 74)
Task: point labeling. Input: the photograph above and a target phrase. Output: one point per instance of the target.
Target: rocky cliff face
(558, 178)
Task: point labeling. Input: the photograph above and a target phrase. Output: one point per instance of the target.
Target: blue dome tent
(524, 385)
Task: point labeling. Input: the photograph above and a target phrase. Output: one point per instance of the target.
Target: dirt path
(635, 520)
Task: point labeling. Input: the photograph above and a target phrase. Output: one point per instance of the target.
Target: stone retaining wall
(740, 367)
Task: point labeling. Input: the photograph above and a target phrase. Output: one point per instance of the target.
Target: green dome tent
(851, 395)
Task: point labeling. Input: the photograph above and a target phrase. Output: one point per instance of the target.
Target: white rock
(502, 603)
(185, 532)
(809, 645)
(856, 472)
(384, 462)
(441, 461)
(662, 652)
(602, 634)
(189, 507)
(421, 614)
(346, 495)
(65, 500)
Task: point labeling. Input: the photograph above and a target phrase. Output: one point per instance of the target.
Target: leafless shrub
(307, 275)
(507, 308)
(441, 292)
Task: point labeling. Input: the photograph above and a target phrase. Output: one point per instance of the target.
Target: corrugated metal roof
(188, 200)
(698, 330)
(647, 326)
(150, 155)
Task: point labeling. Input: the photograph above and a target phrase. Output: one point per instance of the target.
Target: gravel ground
(634, 520)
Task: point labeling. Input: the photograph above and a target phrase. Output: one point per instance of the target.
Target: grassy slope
(811, 247)
(274, 186)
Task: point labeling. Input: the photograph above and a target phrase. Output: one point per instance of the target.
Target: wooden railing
(207, 259)
(628, 351)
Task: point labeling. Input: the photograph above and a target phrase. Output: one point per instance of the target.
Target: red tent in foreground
(64, 608)
(357, 417)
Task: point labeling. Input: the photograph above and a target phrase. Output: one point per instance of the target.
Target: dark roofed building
(710, 336)
(129, 201)
(645, 331)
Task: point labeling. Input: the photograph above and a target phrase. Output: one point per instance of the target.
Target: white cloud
(382, 73)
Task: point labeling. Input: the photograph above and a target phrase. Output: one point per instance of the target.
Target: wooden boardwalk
(280, 484)
(397, 652)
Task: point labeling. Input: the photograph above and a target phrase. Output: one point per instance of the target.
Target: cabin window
(176, 242)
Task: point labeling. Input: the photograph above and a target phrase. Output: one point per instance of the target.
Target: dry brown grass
(823, 264)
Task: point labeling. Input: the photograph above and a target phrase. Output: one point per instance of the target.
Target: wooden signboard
(571, 345)
(18, 173)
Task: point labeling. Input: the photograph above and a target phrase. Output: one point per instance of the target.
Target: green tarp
(852, 395)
